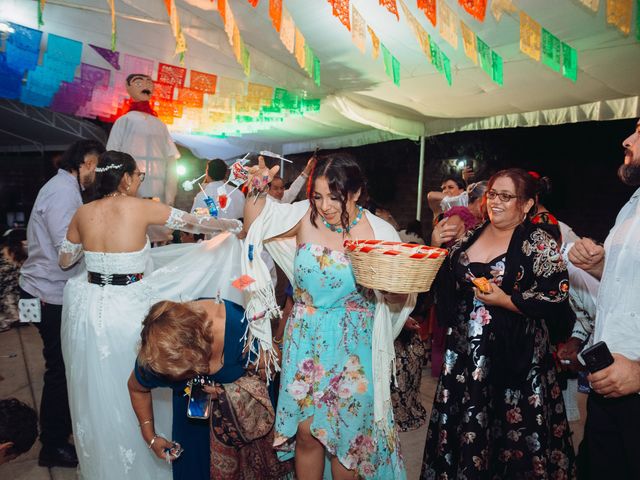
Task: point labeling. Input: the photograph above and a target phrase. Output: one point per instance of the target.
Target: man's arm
(292, 192)
(588, 256)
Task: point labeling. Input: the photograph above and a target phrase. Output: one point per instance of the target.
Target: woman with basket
(337, 350)
(498, 411)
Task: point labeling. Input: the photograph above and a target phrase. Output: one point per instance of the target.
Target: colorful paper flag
(299, 48)
(448, 22)
(386, 57)
(391, 6)
(484, 55)
(275, 13)
(246, 60)
(308, 60)
(163, 91)
(395, 67)
(254, 3)
(496, 68)
(569, 62)
(500, 7)
(41, 4)
(341, 12)
(287, 31)
(171, 74)
(429, 9)
(358, 29)
(316, 70)
(203, 82)
(469, 43)
(112, 7)
(436, 56)
(619, 14)
(190, 98)
(446, 66)
(418, 30)
(475, 8)
(242, 282)
(530, 36)
(593, 5)
(181, 43)
(375, 43)
(551, 50)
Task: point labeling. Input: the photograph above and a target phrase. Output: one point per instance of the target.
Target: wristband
(153, 441)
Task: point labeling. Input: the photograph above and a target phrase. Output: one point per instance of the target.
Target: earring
(128, 187)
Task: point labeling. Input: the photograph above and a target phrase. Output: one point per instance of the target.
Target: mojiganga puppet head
(139, 87)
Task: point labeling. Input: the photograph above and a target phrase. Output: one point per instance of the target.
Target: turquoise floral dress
(326, 368)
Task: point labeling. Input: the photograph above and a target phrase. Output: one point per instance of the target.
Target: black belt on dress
(121, 279)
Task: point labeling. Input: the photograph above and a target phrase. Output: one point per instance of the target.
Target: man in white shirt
(216, 174)
(279, 194)
(41, 277)
(613, 408)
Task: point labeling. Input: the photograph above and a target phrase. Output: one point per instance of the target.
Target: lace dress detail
(69, 253)
(187, 222)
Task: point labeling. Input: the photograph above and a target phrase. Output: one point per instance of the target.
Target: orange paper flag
(341, 12)
(391, 6)
(448, 22)
(275, 12)
(469, 42)
(287, 31)
(242, 282)
(619, 14)
(475, 8)
(375, 42)
(429, 9)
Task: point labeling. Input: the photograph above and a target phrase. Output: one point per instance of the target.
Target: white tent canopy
(360, 104)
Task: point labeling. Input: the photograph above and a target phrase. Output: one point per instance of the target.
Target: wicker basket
(394, 266)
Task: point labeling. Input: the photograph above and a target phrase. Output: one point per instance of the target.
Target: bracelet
(277, 341)
(145, 422)
(153, 440)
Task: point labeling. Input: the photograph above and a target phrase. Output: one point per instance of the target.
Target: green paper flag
(569, 62)
(246, 60)
(638, 20)
(395, 64)
(308, 60)
(316, 70)
(446, 64)
(386, 56)
(484, 54)
(436, 56)
(551, 50)
(496, 68)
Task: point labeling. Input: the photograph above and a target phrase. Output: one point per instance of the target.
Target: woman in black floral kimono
(498, 411)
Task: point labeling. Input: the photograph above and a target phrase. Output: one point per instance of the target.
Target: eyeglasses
(140, 175)
(504, 197)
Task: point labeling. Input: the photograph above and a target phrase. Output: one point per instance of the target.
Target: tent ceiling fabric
(360, 103)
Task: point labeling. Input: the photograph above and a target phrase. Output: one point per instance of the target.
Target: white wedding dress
(101, 331)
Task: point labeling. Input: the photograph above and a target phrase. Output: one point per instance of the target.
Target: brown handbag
(242, 412)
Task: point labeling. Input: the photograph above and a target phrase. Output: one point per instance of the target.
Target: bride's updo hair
(176, 340)
(111, 168)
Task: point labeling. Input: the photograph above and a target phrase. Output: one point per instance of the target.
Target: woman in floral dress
(326, 402)
(498, 411)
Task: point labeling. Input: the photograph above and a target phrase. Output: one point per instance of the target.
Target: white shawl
(277, 219)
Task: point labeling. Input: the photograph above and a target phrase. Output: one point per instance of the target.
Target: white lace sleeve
(187, 222)
(69, 253)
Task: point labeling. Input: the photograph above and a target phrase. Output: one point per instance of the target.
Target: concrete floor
(22, 378)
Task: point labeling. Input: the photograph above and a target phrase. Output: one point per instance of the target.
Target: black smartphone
(199, 405)
(596, 357)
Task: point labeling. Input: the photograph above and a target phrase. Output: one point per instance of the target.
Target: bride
(104, 307)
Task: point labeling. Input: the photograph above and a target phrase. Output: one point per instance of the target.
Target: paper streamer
(113, 58)
(475, 8)
(418, 30)
(375, 43)
(469, 42)
(448, 22)
(619, 14)
(429, 9)
(358, 29)
(287, 31)
(299, 48)
(275, 13)
(530, 36)
(500, 7)
(484, 55)
(569, 62)
(203, 82)
(593, 5)
(181, 43)
(316, 70)
(386, 57)
(551, 50)
(341, 11)
(171, 74)
(446, 66)
(391, 6)
(496, 68)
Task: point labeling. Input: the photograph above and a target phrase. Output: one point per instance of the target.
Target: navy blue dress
(193, 434)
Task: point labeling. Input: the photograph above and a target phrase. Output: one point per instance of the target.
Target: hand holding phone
(596, 357)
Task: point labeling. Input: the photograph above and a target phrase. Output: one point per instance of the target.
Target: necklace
(333, 228)
(116, 194)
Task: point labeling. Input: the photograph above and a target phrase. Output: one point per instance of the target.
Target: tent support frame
(420, 179)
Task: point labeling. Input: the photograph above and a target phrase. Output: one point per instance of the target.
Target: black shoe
(60, 456)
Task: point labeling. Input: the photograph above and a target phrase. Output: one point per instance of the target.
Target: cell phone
(596, 357)
(199, 405)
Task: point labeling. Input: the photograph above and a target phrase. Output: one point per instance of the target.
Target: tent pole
(420, 180)
(281, 173)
